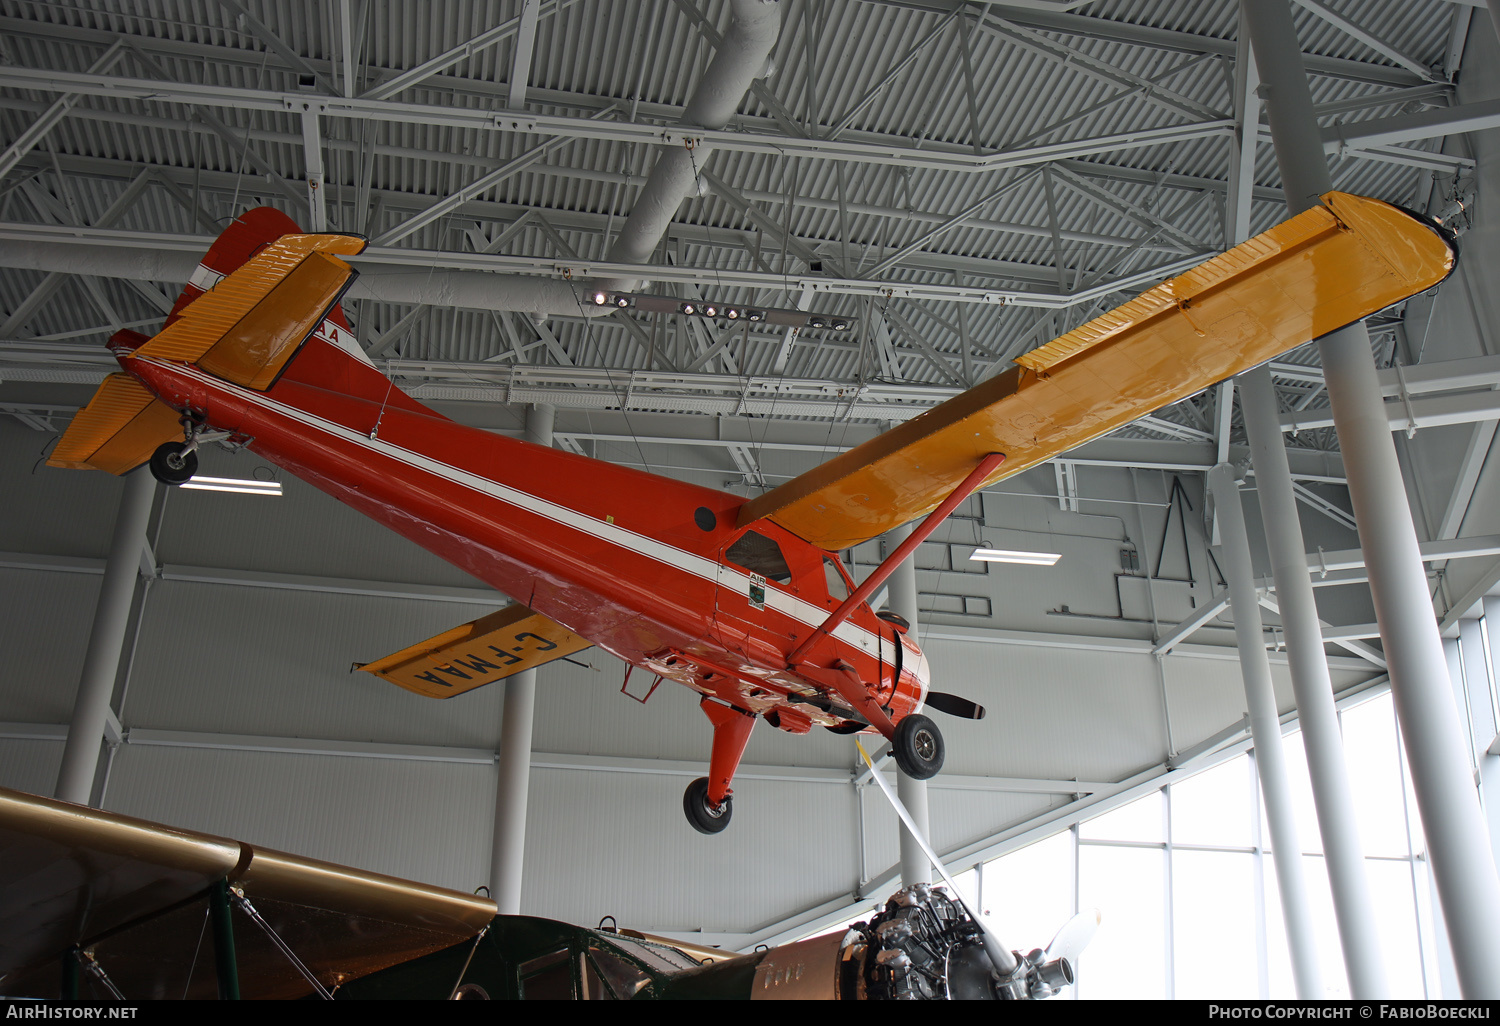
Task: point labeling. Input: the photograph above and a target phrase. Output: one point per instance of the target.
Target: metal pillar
(1265, 731)
(508, 850)
(1327, 770)
(902, 600)
(1458, 846)
(75, 779)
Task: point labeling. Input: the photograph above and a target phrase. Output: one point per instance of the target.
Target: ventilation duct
(742, 57)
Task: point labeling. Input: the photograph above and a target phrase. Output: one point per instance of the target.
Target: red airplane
(745, 602)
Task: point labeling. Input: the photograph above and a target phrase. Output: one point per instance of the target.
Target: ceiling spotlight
(1016, 556)
(816, 322)
(622, 301)
(755, 315)
(840, 324)
(711, 311)
(689, 308)
(732, 313)
(600, 299)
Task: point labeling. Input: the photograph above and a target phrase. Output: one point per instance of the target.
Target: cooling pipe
(474, 290)
(741, 59)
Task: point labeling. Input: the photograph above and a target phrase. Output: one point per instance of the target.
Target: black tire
(918, 747)
(705, 818)
(173, 463)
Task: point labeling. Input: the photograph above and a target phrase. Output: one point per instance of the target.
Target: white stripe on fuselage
(802, 611)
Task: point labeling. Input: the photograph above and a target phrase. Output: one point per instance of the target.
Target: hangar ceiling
(955, 182)
(959, 182)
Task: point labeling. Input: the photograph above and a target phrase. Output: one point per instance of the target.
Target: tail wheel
(705, 817)
(918, 747)
(173, 463)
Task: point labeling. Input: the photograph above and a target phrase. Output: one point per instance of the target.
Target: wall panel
(424, 821)
(44, 635)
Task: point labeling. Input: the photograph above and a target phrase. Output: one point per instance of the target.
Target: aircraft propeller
(1074, 936)
(954, 705)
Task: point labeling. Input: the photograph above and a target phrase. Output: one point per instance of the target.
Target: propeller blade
(953, 705)
(1074, 936)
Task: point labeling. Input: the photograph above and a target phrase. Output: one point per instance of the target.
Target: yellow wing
(1315, 273)
(135, 894)
(476, 653)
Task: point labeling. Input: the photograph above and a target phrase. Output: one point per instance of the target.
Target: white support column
(902, 586)
(1457, 841)
(75, 779)
(1308, 662)
(507, 853)
(1265, 731)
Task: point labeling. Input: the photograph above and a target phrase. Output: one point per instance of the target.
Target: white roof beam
(1087, 64)
(897, 151)
(39, 128)
(1403, 128)
(445, 60)
(1355, 31)
(275, 43)
(520, 60)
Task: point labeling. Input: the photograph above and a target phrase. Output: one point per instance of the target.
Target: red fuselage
(650, 569)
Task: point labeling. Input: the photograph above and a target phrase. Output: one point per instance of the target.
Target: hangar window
(760, 555)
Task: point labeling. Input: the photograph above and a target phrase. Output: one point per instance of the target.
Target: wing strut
(976, 476)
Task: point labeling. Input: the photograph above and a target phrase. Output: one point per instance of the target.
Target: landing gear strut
(707, 802)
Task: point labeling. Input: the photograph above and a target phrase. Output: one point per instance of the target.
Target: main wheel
(918, 747)
(173, 463)
(705, 818)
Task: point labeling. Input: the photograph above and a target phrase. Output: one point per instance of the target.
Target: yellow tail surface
(118, 430)
(245, 331)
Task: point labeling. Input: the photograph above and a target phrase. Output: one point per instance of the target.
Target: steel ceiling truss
(329, 137)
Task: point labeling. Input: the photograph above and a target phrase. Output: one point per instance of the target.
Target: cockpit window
(760, 555)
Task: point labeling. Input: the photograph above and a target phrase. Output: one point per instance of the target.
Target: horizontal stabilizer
(469, 656)
(1326, 268)
(118, 430)
(253, 321)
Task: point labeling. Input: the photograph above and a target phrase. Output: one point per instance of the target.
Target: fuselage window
(837, 587)
(548, 978)
(760, 555)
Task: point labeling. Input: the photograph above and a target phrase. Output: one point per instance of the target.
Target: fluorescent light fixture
(1015, 556)
(232, 484)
